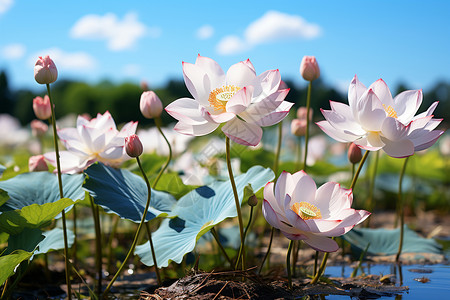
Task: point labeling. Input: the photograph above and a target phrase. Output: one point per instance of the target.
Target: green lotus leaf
(125, 194)
(8, 263)
(197, 212)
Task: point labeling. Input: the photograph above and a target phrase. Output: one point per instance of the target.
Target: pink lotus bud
(253, 200)
(144, 85)
(309, 68)
(41, 107)
(151, 105)
(354, 154)
(301, 113)
(37, 163)
(298, 127)
(45, 71)
(133, 146)
(38, 128)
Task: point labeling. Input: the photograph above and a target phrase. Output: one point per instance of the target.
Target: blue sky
(399, 41)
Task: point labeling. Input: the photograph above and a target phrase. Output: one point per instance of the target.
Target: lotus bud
(38, 128)
(37, 163)
(298, 127)
(144, 85)
(45, 71)
(253, 200)
(41, 107)
(151, 106)
(302, 111)
(309, 68)
(354, 154)
(133, 146)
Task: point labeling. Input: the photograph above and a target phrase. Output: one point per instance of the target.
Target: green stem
(98, 243)
(370, 204)
(216, 237)
(133, 245)
(169, 158)
(268, 250)
(61, 195)
(236, 199)
(400, 209)
(74, 245)
(308, 104)
(316, 259)
(321, 268)
(152, 248)
(245, 234)
(288, 264)
(278, 150)
(110, 241)
(363, 160)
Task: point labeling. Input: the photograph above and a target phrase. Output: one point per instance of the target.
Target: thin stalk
(288, 264)
(74, 228)
(278, 150)
(370, 204)
(321, 268)
(4, 288)
(152, 248)
(245, 234)
(222, 249)
(400, 209)
(61, 195)
(98, 243)
(236, 199)
(133, 245)
(308, 104)
(169, 158)
(268, 250)
(316, 259)
(355, 177)
(110, 241)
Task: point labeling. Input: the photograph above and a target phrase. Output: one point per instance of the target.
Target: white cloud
(13, 51)
(77, 61)
(119, 34)
(231, 44)
(272, 26)
(205, 32)
(5, 5)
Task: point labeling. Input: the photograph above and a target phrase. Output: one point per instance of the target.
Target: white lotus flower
(240, 99)
(92, 140)
(304, 212)
(373, 120)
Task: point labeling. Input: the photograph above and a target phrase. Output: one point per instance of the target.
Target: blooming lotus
(92, 140)
(242, 100)
(304, 212)
(374, 120)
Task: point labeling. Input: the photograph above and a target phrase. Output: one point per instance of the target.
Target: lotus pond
(244, 197)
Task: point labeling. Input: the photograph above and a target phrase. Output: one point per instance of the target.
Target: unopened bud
(298, 127)
(133, 146)
(38, 128)
(354, 154)
(309, 68)
(45, 71)
(37, 163)
(302, 111)
(150, 105)
(41, 107)
(252, 200)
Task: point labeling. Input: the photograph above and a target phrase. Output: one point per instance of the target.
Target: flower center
(219, 97)
(390, 111)
(306, 211)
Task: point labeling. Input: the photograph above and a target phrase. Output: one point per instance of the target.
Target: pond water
(424, 281)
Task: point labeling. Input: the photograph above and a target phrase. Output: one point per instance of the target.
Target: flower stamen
(306, 211)
(390, 111)
(219, 97)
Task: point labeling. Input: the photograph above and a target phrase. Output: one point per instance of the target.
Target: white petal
(398, 149)
(371, 113)
(321, 243)
(242, 132)
(240, 101)
(266, 84)
(343, 122)
(240, 75)
(270, 215)
(393, 130)
(265, 106)
(364, 143)
(186, 110)
(336, 134)
(197, 82)
(304, 190)
(382, 91)
(426, 140)
(196, 130)
(406, 105)
(355, 91)
(216, 118)
(277, 116)
(429, 111)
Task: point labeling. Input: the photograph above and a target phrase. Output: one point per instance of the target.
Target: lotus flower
(92, 140)
(373, 120)
(304, 212)
(240, 99)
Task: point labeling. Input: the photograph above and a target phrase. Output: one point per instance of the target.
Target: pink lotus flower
(45, 71)
(303, 212)
(240, 99)
(41, 107)
(37, 163)
(92, 140)
(373, 120)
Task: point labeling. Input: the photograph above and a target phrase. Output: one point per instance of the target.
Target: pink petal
(426, 140)
(304, 190)
(371, 113)
(355, 91)
(277, 116)
(186, 110)
(242, 132)
(321, 243)
(398, 149)
(240, 101)
(429, 111)
(197, 82)
(364, 143)
(216, 118)
(240, 75)
(338, 135)
(266, 83)
(382, 91)
(393, 130)
(196, 130)
(270, 215)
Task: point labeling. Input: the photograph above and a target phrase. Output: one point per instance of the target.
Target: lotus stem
(136, 236)
(288, 263)
(169, 158)
(98, 242)
(370, 205)
(363, 160)
(245, 235)
(236, 199)
(268, 250)
(278, 150)
(61, 195)
(110, 241)
(308, 104)
(321, 268)
(216, 237)
(401, 210)
(316, 259)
